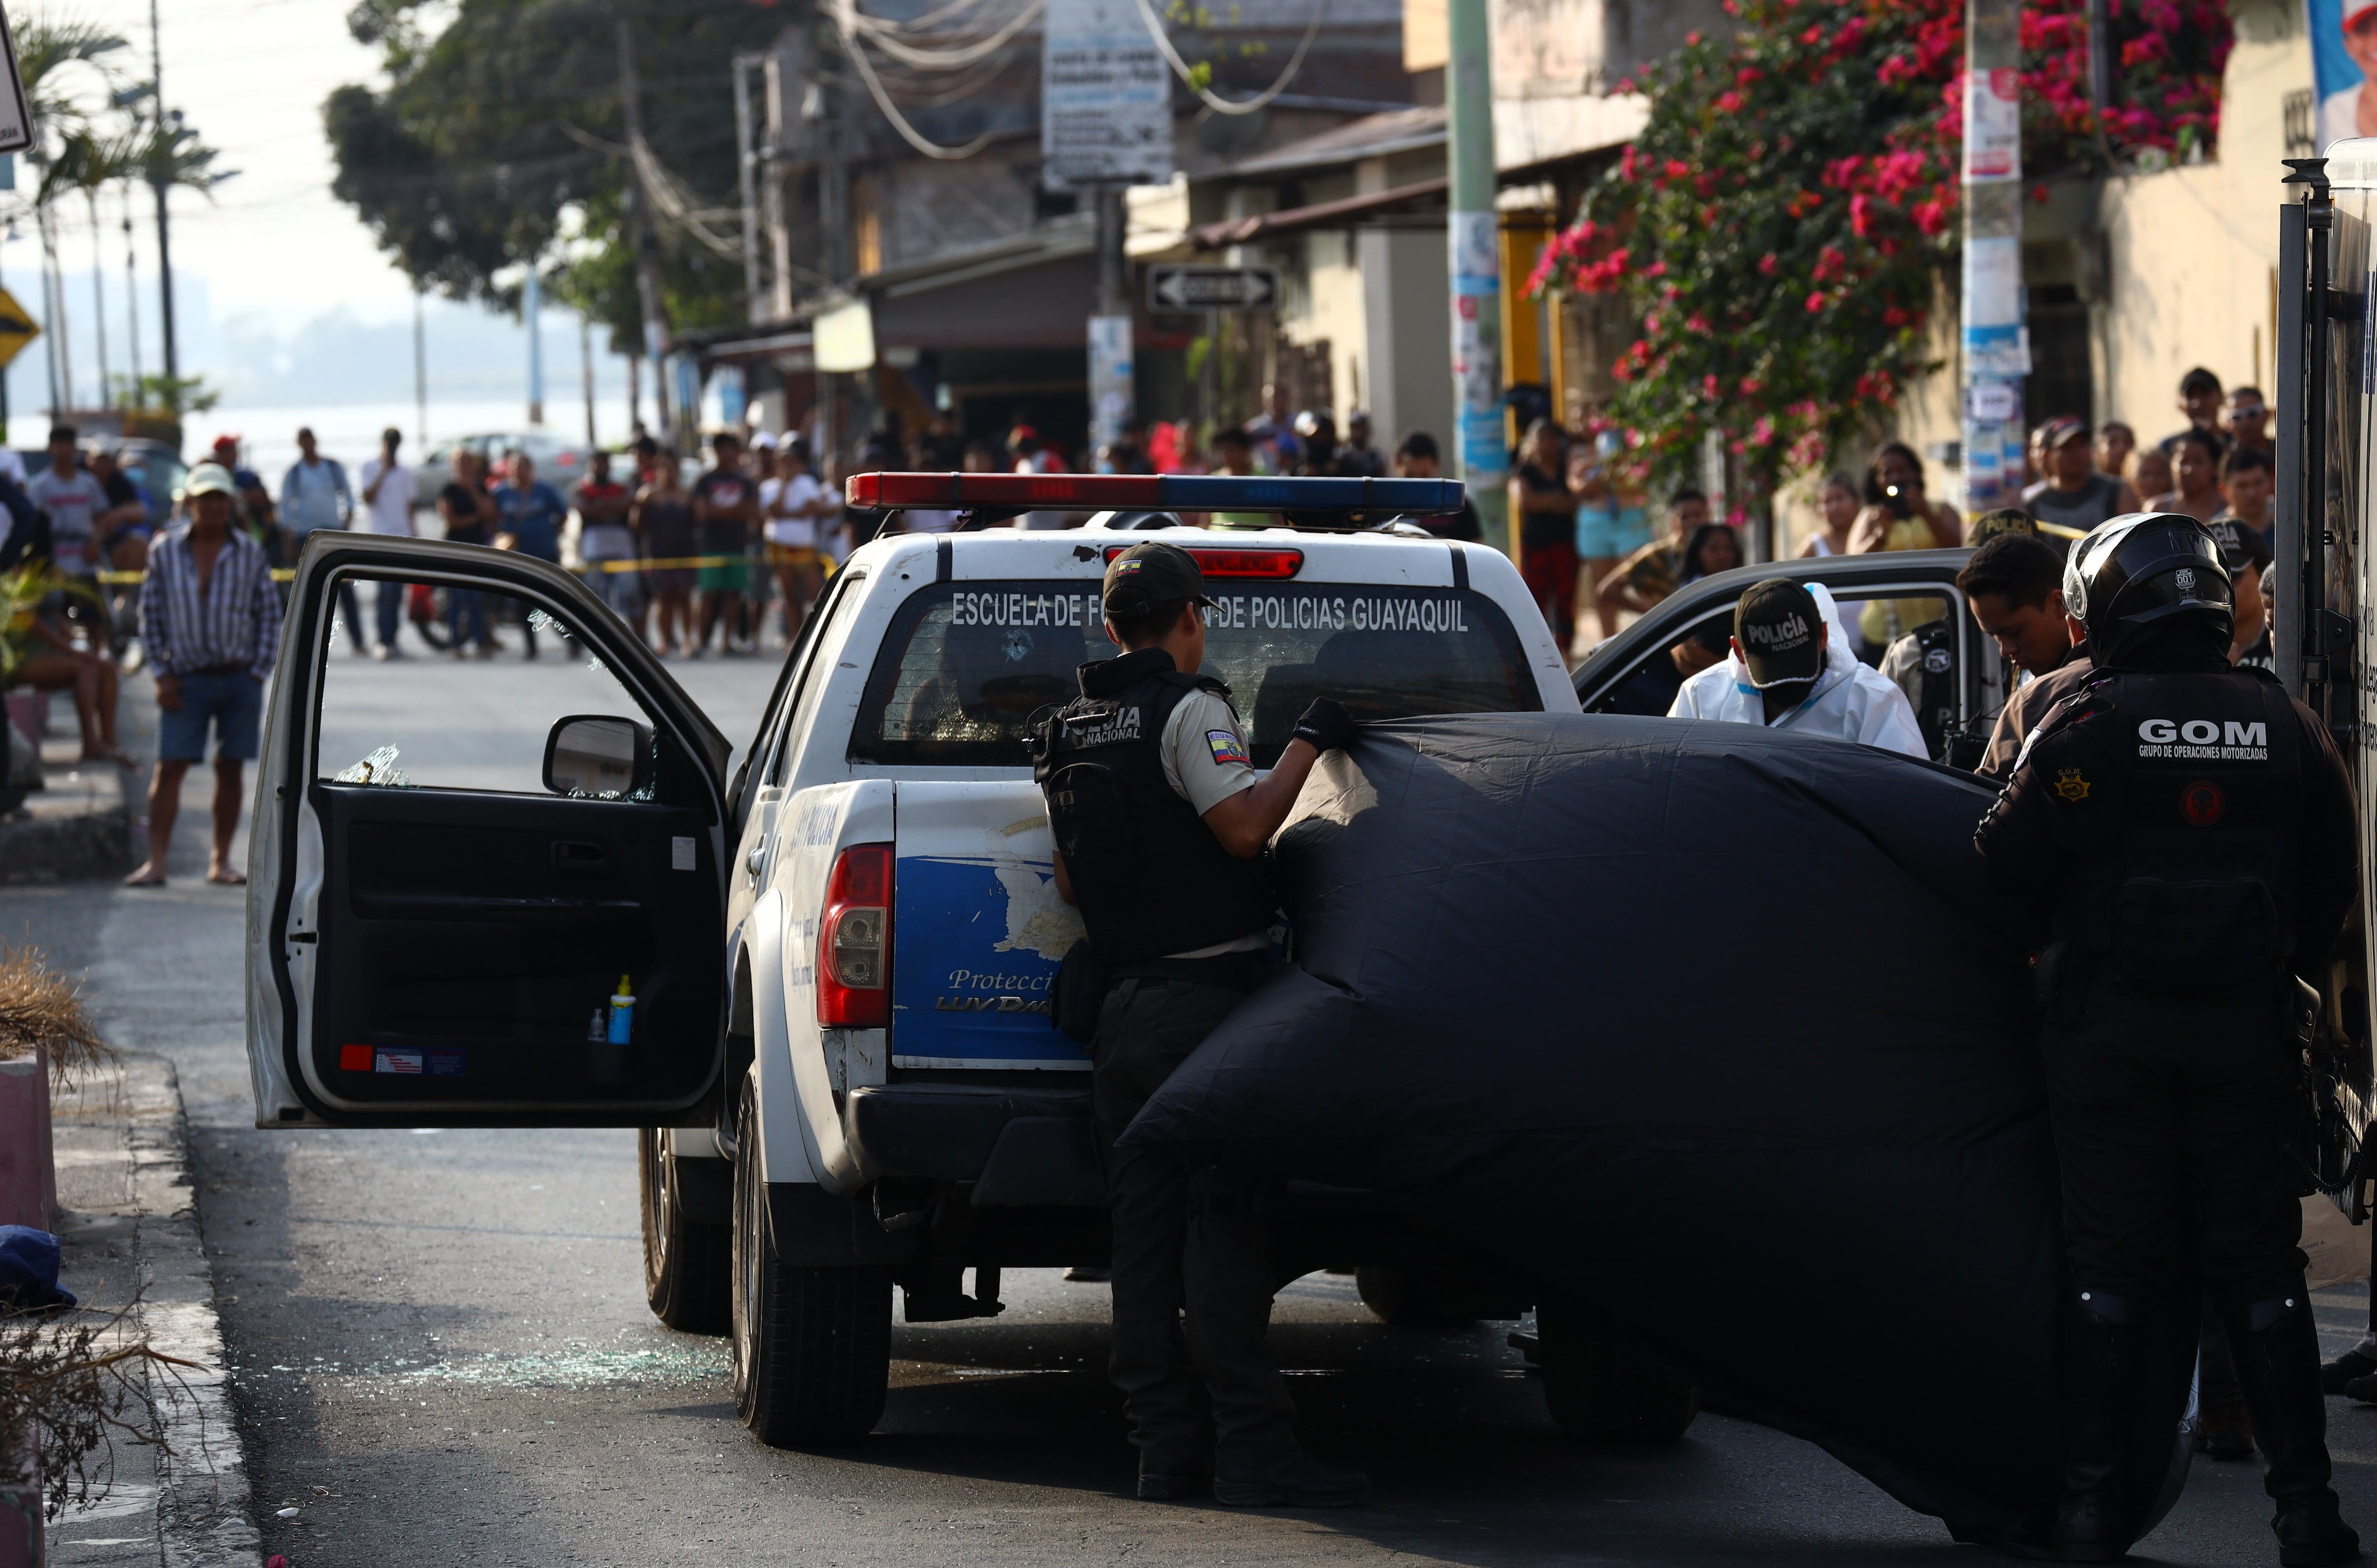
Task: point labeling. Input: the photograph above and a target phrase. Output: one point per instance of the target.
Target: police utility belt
(1082, 981)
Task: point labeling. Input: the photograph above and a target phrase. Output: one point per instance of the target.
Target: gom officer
(2186, 830)
(1160, 825)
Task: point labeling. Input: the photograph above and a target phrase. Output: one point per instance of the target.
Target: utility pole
(161, 181)
(1996, 347)
(586, 376)
(833, 232)
(98, 296)
(1475, 265)
(529, 301)
(131, 296)
(648, 260)
(420, 374)
(747, 159)
(1112, 396)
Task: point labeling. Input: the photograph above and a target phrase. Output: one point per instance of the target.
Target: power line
(1223, 106)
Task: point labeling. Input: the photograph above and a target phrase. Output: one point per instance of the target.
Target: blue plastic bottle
(622, 1014)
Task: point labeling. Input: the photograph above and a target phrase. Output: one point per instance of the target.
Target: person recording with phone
(1898, 516)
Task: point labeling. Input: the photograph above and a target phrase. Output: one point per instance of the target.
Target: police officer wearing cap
(2184, 831)
(1161, 825)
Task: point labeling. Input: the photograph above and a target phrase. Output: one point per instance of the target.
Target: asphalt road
(442, 1353)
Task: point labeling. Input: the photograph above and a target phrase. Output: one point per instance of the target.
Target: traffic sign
(1106, 97)
(16, 115)
(1211, 288)
(17, 328)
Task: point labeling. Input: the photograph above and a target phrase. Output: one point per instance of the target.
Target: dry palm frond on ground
(42, 1009)
(82, 1383)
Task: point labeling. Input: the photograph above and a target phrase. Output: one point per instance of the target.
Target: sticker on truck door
(978, 933)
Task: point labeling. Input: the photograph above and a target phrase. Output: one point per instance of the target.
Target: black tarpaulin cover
(1717, 1030)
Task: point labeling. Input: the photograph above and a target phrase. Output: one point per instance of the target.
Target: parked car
(558, 462)
(839, 1046)
(1635, 672)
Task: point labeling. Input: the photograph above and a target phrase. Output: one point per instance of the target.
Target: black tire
(688, 1265)
(1602, 1388)
(811, 1354)
(1406, 1296)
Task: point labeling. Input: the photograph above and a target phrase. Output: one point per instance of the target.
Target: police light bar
(1151, 492)
(1275, 565)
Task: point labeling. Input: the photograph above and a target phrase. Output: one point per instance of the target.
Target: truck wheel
(1601, 1388)
(1406, 1296)
(688, 1265)
(812, 1347)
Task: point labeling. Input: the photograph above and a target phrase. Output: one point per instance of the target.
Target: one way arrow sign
(1211, 288)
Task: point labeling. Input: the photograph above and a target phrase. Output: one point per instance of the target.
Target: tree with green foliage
(1786, 224)
(492, 129)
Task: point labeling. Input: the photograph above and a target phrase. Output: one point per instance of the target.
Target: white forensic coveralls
(1851, 702)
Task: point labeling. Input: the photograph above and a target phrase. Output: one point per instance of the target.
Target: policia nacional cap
(1779, 629)
(1150, 574)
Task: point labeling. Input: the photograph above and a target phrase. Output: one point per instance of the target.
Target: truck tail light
(854, 969)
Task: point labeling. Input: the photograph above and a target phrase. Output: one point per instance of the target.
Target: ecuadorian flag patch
(1228, 748)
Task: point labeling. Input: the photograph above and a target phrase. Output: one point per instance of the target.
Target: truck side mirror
(593, 755)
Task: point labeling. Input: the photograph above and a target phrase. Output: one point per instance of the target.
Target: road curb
(203, 1513)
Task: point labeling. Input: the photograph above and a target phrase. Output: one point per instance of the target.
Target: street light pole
(648, 267)
(1475, 263)
(1996, 347)
(747, 159)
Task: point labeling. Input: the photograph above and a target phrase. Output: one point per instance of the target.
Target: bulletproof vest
(2191, 884)
(1149, 874)
(1935, 713)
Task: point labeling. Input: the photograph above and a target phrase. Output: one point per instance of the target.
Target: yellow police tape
(664, 563)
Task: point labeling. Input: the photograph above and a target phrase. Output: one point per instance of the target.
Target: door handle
(577, 857)
(757, 858)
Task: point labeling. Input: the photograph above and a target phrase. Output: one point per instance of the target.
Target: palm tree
(172, 155)
(55, 55)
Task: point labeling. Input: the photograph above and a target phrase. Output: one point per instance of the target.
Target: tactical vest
(1149, 877)
(2190, 884)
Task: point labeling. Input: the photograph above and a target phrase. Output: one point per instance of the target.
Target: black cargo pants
(2172, 1115)
(1189, 1242)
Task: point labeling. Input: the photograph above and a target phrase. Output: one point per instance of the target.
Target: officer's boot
(2276, 1346)
(2094, 1523)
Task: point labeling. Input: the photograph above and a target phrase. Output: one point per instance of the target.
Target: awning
(1344, 213)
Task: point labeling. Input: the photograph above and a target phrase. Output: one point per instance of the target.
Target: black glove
(1327, 725)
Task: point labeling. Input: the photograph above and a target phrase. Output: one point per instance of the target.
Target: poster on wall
(2343, 61)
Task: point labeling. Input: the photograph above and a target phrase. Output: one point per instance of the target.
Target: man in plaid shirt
(210, 627)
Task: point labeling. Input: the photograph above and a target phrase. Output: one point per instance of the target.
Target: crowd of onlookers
(1589, 544)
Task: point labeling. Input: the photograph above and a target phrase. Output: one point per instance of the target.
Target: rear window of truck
(966, 666)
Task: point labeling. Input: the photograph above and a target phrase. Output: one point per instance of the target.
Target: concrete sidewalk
(130, 1227)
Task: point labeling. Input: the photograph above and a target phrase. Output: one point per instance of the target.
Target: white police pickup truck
(840, 957)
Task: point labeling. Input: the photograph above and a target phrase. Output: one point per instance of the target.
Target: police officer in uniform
(2185, 829)
(1161, 826)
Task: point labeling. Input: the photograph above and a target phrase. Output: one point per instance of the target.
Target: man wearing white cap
(211, 622)
(2352, 110)
(1788, 670)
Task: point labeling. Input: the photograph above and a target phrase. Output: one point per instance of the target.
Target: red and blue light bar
(1151, 492)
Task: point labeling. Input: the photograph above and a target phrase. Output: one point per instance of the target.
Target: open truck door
(438, 922)
(2322, 570)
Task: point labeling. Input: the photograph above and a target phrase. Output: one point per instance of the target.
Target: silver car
(560, 463)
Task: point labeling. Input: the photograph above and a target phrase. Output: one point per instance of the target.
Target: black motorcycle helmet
(2141, 572)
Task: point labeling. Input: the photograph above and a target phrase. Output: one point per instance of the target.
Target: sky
(282, 297)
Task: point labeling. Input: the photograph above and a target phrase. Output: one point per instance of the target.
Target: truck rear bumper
(1019, 1148)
